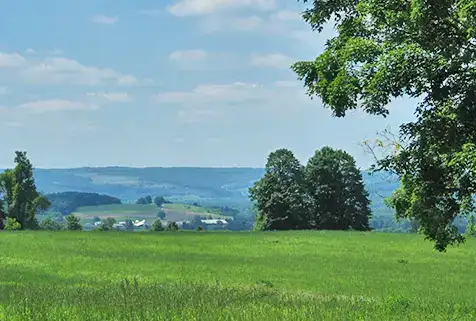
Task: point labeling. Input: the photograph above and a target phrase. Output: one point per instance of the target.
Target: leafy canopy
(423, 49)
(326, 194)
(278, 196)
(338, 197)
(20, 199)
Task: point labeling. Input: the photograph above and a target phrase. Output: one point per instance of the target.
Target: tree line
(328, 193)
(67, 202)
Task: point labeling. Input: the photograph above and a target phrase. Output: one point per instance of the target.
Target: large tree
(422, 49)
(279, 195)
(339, 200)
(20, 197)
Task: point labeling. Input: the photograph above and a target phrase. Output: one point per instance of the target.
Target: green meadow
(174, 212)
(233, 276)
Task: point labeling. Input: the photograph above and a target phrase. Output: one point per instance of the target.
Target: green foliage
(96, 219)
(73, 223)
(280, 195)
(144, 200)
(338, 199)
(51, 225)
(157, 226)
(159, 201)
(67, 202)
(141, 201)
(327, 194)
(161, 214)
(21, 200)
(424, 50)
(107, 224)
(172, 227)
(471, 227)
(11, 224)
(232, 276)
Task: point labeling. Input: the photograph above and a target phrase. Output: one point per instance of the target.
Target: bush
(172, 227)
(157, 226)
(107, 224)
(200, 229)
(73, 223)
(50, 225)
(11, 224)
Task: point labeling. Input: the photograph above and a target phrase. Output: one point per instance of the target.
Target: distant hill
(208, 186)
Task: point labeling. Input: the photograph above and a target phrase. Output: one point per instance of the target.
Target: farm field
(174, 212)
(233, 276)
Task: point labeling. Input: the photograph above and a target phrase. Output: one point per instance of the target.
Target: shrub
(73, 223)
(157, 226)
(50, 225)
(172, 227)
(107, 224)
(11, 224)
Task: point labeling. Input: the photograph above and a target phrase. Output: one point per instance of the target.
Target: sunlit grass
(233, 276)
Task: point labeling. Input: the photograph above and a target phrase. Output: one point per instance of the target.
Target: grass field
(174, 212)
(233, 276)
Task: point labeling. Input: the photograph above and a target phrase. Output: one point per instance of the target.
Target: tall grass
(233, 276)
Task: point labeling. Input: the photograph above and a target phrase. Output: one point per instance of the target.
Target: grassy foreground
(233, 276)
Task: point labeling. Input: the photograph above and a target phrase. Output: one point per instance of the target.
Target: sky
(139, 83)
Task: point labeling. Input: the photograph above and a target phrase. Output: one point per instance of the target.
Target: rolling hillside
(174, 212)
(209, 186)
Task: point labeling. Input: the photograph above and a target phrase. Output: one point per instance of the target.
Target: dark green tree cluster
(67, 202)
(425, 50)
(157, 226)
(19, 199)
(144, 200)
(158, 200)
(328, 193)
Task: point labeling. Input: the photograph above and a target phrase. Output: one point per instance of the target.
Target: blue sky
(165, 83)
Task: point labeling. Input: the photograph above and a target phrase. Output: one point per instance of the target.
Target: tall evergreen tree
(20, 196)
(338, 197)
(280, 195)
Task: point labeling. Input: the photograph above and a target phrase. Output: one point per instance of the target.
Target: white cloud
(205, 7)
(59, 70)
(55, 105)
(11, 60)
(208, 101)
(235, 92)
(274, 60)
(105, 20)
(188, 55)
(51, 52)
(112, 96)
